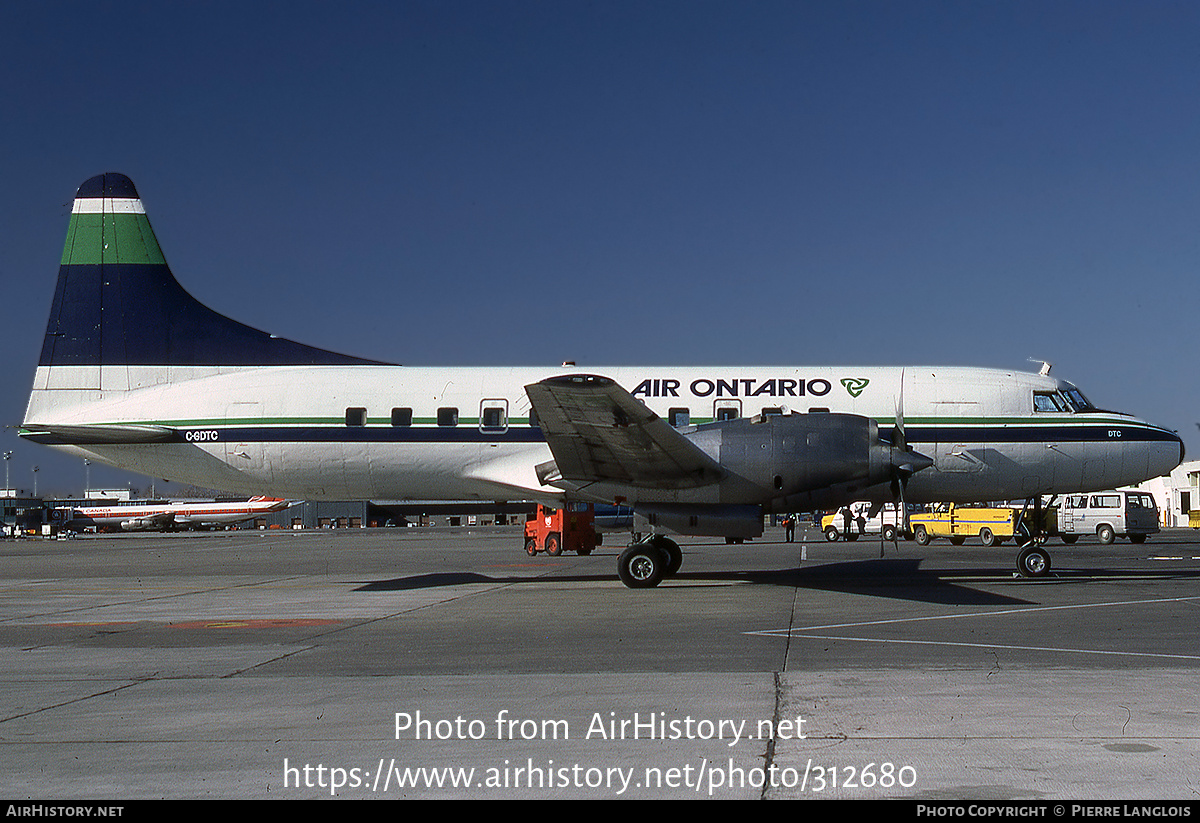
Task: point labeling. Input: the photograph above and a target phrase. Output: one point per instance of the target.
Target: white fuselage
(388, 432)
(136, 516)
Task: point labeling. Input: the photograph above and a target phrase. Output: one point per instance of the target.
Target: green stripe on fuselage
(111, 238)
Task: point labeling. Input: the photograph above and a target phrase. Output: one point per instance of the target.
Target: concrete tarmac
(434, 663)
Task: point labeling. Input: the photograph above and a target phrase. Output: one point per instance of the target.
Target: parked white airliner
(136, 373)
(165, 516)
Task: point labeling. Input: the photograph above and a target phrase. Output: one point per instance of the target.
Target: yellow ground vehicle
(992, 525)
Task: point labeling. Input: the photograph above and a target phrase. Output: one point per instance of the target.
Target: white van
(1108, 515)
(837, 526)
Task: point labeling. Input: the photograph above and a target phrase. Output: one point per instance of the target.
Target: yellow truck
(992, 525)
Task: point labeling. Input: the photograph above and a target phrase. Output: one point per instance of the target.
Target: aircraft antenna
(1046, 365)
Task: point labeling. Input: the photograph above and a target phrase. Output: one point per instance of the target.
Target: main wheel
(1034, 562)
(674, 554)
(642, 566)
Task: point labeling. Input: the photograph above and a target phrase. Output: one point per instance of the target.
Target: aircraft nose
(1171, 454)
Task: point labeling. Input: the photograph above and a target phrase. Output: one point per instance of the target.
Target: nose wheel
(1033, 561)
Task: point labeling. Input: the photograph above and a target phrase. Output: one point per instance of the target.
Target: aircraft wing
(599, 432)
(158, 520)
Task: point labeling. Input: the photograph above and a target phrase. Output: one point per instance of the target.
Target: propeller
(905, 461)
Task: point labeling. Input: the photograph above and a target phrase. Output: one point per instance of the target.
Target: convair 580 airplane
(136, 373)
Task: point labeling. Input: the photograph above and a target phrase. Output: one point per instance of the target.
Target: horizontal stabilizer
(599, 432)
(60, 435)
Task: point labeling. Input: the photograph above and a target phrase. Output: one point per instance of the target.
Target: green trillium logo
(855, 385)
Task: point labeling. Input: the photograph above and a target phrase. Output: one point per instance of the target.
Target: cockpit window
(1048, 401)
(1075, 397)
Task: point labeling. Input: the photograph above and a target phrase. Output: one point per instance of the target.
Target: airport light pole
(87, 479)
(35, 471)
(7, 457)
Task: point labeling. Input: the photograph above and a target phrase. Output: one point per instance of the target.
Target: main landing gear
(646, 562)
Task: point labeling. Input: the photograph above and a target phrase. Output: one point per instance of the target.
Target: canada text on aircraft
(136, 373)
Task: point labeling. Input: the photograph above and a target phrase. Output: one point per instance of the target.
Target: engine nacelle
(784, 455)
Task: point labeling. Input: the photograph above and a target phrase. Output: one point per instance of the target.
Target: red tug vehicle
(554, 531)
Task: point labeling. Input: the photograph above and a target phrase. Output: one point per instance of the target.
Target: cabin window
(493, 416)
(727, 409)
(356, 416)
(680, 417)
(772, 411)
(402, 417)
(447, 416)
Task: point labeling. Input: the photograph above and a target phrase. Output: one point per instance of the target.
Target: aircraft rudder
(109, 225)
(110, 251)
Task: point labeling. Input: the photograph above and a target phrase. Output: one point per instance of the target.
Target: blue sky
(655, 182)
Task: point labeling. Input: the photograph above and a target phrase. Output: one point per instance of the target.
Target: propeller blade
(898, 438)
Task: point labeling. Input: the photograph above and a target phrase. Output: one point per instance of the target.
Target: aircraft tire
(674, 554)
(553, 544)
(1033, 561)
(642, 566)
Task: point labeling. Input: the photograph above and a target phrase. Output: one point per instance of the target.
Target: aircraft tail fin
(117, 303)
